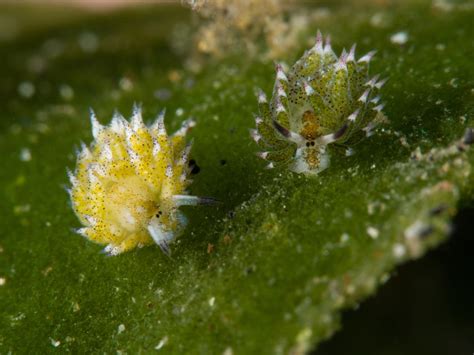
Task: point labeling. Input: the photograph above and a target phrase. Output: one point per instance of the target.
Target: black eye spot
(194, 168)
(307, 144)
(159, 214)
(312, 144)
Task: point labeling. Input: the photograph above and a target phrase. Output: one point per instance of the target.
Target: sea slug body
(128, 185)
(323, 100)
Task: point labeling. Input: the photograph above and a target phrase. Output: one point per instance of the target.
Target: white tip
(107, 152)
(307, 88)
(262, 155)
(129, 132)
(353, 116)
(169, 171)
(375, 100)
(137, 109)
(255, 136)
(159, 124)
(280, 91)
(381, 83)
(379, 108)
(367, 58)
(258, 120)
(85, 152)
(364, 96)
(82, 232)
(318, 47)
(72, 178)
(186, 151)
(137, 120)
(132, 155)
(369, 129)
(160, 236)
(185, 127)
(280, 108)
(117, 123)
(93, 180)
(327, 46)
(187, 200)
(261, 97)
(341, 63)
(98, 169)
(96, 126)
(351, 55)
(371, 83)
(114, 251)
(90, 220)
(156, 147)
(281, 76)
(349, 152)
(270, 166)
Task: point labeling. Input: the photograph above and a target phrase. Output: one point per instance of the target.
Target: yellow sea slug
(129, 184)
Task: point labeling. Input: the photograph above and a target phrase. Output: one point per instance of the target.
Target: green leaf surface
(270, 269)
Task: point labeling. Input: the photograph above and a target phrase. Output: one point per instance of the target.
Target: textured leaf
(269, 269)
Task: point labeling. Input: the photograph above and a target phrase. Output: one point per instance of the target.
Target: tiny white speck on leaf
(66, 92)
(344, 237)
(76, 307)
(373, 232)
(126, 84)
(55, 343)
(378, 20)
(26, 89)
(89, 42)
(162, 343)
(399, 38)
(19, 209)
(25, 154)
(179, 112)
(3, 281)
(121, 329)
(399, 250)
(212, 300)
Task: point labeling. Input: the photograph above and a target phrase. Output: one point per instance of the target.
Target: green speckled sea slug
(323, 100)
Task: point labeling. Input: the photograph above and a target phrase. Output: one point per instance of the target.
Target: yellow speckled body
(128, 185)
